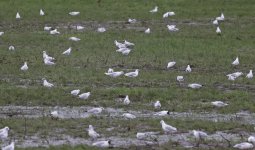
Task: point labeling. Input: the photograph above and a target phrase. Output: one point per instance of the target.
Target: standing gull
(42, 12)
(24, 67)
(167, 128)
(215, 22)
(92, 133)
(18, 15)
(157, 105)
(54, 114)
(235, 62)
(199, 134)
(249, 75)
(218, 31)
(126, 100)
(221, 17)
(147, 31)
(188, 69)
(4, 132)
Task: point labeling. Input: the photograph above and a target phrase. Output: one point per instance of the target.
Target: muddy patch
(81, 112)
(232, 87)
(220, 139)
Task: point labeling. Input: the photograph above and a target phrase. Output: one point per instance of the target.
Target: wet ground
(81, 112)
(220, 138)
(183, 139)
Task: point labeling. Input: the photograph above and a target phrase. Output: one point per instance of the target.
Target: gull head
(162, 121)
(110, 70)
(109, 142)
(88, 93)
(7, 128)
(194, 131)
(90, 127)
(251, 139)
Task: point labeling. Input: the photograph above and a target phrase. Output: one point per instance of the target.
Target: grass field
(197, 44)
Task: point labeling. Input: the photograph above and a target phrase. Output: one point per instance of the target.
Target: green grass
(57, 10)
(46, 127)
(196, 44)
(92, 56)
